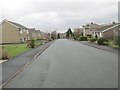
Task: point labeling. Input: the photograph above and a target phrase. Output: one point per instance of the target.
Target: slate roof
(92, 26)
(32, 30)
(104, 27)
(18, 25)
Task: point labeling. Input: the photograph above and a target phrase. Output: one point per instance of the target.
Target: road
(11, 66)
(68, 64)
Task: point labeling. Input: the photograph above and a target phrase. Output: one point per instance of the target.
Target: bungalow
(13, 32)
(107, 31)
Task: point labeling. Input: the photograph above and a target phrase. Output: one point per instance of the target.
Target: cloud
(58, 15)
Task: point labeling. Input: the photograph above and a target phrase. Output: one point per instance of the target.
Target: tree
(58, 35)
(53, 35)
(69, 33)
(96, 36)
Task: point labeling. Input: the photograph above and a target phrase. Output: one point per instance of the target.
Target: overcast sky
(60, 15)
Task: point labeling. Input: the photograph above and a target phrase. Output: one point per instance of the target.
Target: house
(38, 34)
(62, 35)
(54, 35)
(0, 33)
(89, 28)
(78, 31)
(32, 33)
(13, 32)
(45, 36)
(107, 31)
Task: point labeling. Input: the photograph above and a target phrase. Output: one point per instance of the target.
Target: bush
(89, 35)
(31, 43)
(83, 38)
(92, 39)
(75, 38)
(102, 41)
(96, 36)
(116, 40)
(4, 54)
(0, 53)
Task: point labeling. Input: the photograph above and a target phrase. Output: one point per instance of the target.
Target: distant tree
(81, 34)
(96, 36)
(53, 35)
(58, 35)
(69, 33)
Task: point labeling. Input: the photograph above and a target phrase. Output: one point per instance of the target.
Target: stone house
(78, 31)
(13, 32)
(38, 34)
(32, 33)
(107, 31)
(89, 28)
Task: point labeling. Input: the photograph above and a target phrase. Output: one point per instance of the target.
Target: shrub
(83, 38)
(75, 38)
(96, 36)
(38, 43)
(116, 40)
(89, 35)
(0, 53)
(4, 55)
(31, 43)
(92, 39)
(102, 41)
(81, 34)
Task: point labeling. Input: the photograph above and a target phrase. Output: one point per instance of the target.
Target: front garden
(12, 50)
(114, 43)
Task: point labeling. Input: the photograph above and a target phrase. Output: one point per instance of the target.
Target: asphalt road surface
(68, 64)
(10, 67)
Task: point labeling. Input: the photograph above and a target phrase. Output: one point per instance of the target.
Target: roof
(93, 26)
(32, 29)
(104, 28)
(78, 30)
(16, 24)
(114, 26)
(19, 25)
(38, 31)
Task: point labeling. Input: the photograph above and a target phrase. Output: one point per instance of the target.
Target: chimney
(113, 23)
(91, 23)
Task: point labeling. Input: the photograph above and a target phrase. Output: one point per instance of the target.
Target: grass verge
(15, 49)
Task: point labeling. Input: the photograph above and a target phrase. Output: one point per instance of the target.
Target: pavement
(12, 66)
(1, 61)
(102, 47)
(68, 64)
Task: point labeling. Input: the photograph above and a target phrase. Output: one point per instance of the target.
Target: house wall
(110, 33)
(32, 35)
(38, 35)
(10, 33)
(0, 33)
(24, 36)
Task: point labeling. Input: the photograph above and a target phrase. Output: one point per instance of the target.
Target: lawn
(15, 49)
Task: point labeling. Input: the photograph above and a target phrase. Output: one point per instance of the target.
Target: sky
(59, 15)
